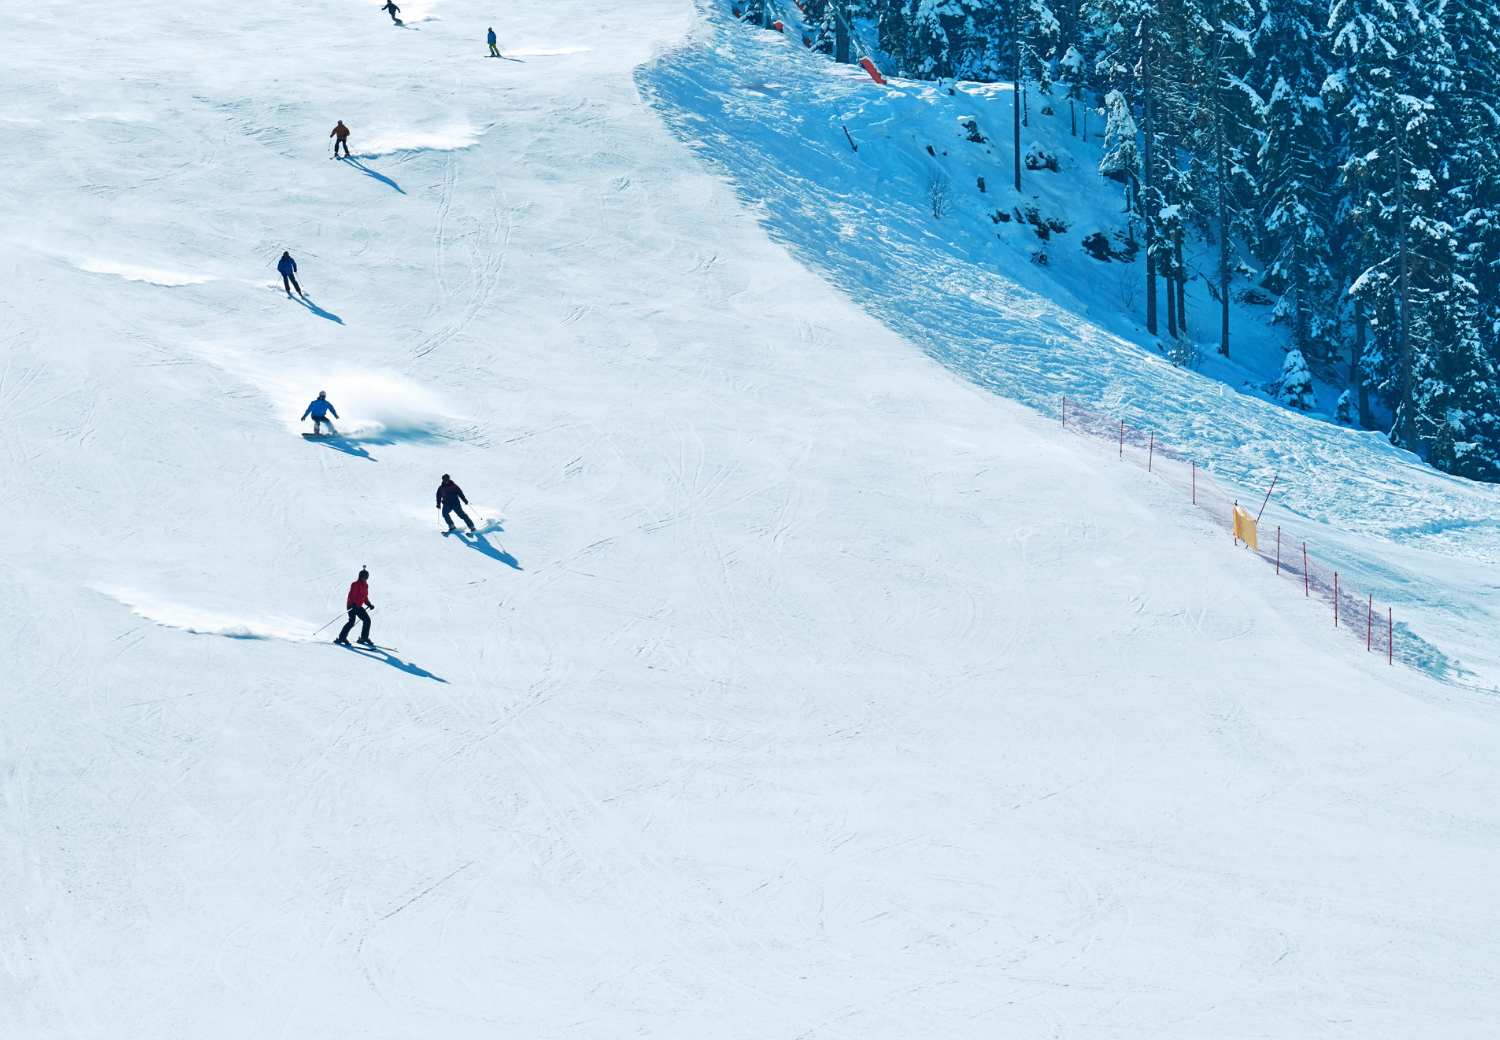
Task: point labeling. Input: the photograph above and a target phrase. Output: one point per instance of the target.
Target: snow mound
(206, 622)
(545, 52)
(442, 139)
(139, 273)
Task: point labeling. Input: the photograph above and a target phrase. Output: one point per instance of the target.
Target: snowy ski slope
(798, 687)
(771, 115)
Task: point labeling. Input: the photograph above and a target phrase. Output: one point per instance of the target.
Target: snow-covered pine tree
(1294, 175)
(1122, 157)
(1029, 40)
(1395, 61)
(953, 39)
(1294, 389)
(1134, 45)
(1454, 394)
(1224, 126)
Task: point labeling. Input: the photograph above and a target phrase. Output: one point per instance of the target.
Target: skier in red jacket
(340, 135)
(357, 600)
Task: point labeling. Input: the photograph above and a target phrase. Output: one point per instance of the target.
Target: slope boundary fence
(1352, 611)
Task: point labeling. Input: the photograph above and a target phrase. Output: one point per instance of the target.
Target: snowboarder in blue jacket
(494, 51)
(288, 268)
(320, 409)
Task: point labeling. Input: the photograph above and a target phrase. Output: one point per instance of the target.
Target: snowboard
(318, 436)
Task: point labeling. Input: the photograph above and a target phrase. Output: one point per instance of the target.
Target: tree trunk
(1015, 43)
(1404, 430)
(1072, 117)
(1181, 286)
(1148, 203)
(1221, 160)
(840, 36)
(1357, 366)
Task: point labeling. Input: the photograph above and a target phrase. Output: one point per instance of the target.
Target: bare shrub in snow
(937, 194)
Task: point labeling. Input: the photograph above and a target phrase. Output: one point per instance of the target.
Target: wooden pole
(1390, 637)
(1278, 548)
(1195, 483)
(1065, 411)
(1122, 438)
(1268, 495)
(1306, 589)
(1335, 599)
(1369, 622)
(1151, 452)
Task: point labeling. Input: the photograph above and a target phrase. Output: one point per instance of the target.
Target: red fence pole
(1390, 637)
(1335, 599)
(1306, 590)
(1278, 548)
(1151, 452)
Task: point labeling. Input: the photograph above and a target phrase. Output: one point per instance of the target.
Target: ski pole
(335, 618)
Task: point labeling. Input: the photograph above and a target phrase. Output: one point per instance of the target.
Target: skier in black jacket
(449, 497)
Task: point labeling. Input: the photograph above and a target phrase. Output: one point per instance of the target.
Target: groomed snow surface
(795, 687)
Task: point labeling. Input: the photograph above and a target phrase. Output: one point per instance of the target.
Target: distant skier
(320, 409)
(288, 270)
(392, 10)
(340, 136)
(494, 50)
(449, 497)
(356, 602)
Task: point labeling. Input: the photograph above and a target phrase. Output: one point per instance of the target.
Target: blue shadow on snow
(386, 657)
(481, 545)
(340, 443)
(359, 165)
(319, 311)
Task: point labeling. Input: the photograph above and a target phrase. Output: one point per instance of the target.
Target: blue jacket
(286, 265)
(492, 37)
(319, 408)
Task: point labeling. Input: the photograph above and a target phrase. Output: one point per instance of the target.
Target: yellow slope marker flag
(1244, 528)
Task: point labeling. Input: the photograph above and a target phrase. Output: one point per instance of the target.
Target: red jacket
(341, 132)
(359, 595)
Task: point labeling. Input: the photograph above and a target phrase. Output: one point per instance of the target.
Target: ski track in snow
(797, 687)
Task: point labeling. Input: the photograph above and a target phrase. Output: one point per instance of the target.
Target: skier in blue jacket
(320, 409)
(494, 50)
(288, 268)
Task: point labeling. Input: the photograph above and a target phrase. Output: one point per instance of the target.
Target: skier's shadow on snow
(319, 311)
(359, 165)
(480, 544)
(386, 657)
(341, 443)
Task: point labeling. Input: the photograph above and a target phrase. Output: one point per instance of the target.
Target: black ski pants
(454, 507)
(341, 142)
(289, 282)
(356, 614)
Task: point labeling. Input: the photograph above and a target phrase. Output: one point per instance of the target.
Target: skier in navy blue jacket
(494, 50)
(288, 268)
